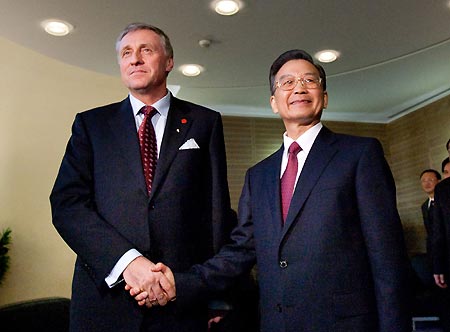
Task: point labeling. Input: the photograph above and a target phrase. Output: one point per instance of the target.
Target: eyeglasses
(288, 83)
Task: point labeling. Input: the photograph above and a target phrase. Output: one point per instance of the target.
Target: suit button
(152, 207)
(283, 264)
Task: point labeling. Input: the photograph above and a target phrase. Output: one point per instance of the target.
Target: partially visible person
(142, 180)
(441, 245)
(447, 146)
(429, 178)
(445, 166)
(319, 216)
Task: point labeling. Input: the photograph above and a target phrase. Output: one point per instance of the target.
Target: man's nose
(299, 86)
(136, 57)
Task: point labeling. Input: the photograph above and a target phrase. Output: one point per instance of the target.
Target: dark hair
(294, 55)
(165, 41)
(438, 175)
(448, 143)
(445, 162)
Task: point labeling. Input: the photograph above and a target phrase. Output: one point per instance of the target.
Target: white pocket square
(189, 144)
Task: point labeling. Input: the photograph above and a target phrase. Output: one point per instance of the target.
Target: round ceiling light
(191, 70)
(327, 56)
(57, 27)
(226, 7)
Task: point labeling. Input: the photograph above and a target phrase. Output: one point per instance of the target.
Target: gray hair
(165, 41)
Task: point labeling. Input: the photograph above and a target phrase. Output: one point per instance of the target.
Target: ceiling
(395, 54)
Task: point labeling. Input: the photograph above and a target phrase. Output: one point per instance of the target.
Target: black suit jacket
(339, 263)
(427, 215)
(101, 208)
(440, 238)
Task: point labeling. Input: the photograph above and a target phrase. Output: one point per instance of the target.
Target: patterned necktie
(288, 178)
(149, 149)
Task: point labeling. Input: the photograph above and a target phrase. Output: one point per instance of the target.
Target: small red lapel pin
(183, 121)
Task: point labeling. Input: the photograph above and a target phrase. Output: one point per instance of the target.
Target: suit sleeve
(74, 210)
(383, 235)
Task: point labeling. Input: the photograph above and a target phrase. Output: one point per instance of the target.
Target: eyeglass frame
(297, 80)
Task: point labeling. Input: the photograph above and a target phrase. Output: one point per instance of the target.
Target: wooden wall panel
(417, 142)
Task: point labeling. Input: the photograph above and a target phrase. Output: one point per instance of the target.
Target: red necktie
(149, 149)
(288, 178)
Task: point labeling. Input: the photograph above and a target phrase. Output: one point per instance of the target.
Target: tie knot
(294, 148)
(148, 110)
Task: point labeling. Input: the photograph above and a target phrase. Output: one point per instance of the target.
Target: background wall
(39, 99)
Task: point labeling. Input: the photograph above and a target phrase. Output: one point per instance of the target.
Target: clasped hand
(150, 284)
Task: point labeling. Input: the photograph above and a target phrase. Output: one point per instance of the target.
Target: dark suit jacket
(339, 263)
(440, 240)
(427, 219)
(101, 208)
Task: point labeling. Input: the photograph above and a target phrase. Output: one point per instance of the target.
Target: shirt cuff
(115, 276)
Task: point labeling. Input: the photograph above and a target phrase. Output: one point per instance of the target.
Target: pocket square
(189, 144)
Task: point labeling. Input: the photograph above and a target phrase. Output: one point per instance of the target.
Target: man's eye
(288, 82)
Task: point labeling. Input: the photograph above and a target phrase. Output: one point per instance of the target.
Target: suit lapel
(272, 179)
(318, 158)
(123, 126)
(177, 126)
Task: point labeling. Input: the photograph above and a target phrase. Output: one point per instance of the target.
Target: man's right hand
(150, 284)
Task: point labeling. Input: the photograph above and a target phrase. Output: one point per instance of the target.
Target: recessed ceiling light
(57, 27)
(191, 70)
(327, 56)
(227, 7)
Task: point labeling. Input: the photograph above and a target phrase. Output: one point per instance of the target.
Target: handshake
(156, 288)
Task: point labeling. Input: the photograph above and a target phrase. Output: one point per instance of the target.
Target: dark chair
(46, 314)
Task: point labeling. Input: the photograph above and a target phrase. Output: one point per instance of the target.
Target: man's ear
(273, 104)
(325, 99)
(169, 65)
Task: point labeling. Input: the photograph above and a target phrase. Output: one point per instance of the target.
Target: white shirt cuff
(113, 278)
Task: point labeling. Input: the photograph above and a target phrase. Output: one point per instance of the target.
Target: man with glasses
(319, 217)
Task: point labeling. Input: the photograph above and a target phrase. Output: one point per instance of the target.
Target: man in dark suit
(117, 223)
(429, 178)
(440, 246)
(335, 259)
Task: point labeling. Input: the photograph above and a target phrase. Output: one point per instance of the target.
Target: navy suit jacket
(101, 208)
(339, 263)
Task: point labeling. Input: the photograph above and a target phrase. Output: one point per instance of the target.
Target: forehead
(140, 37)
(429, 175)
(297, 66)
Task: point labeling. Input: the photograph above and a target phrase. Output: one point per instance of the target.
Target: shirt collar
(161, 105)
(306, 140)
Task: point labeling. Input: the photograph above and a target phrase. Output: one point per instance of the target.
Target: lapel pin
(178, 130)
(183, 121)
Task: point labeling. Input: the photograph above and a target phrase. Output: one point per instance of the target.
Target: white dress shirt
(306, 140)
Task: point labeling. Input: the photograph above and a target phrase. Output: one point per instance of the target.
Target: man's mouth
(300, 101)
